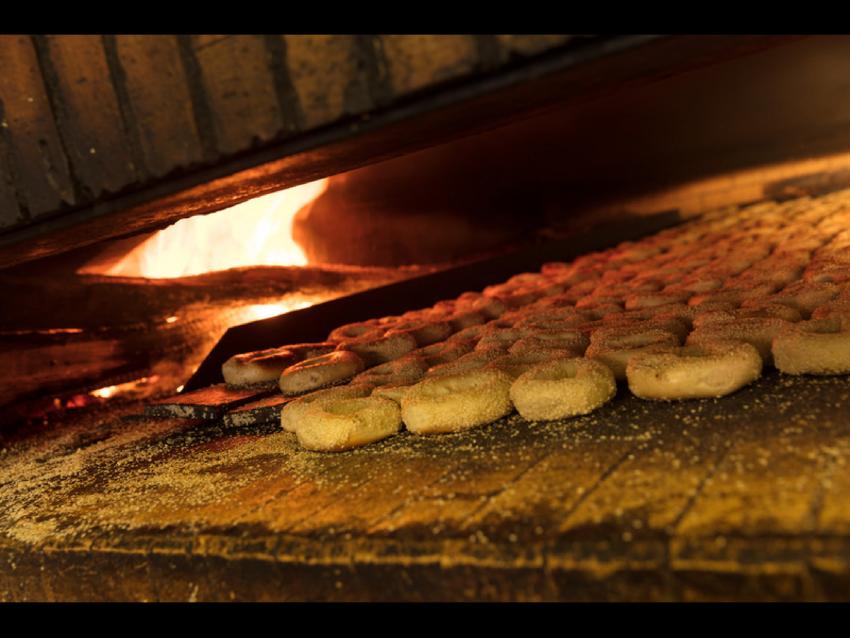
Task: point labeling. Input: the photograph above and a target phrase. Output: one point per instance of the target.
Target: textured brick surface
(35, 155)
(329, 75)
(88, 113)
(530, 44)
(155, 82)
(9, 211)
(418, 61)
(237, 77)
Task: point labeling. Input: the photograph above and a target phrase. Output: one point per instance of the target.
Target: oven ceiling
(106, 136)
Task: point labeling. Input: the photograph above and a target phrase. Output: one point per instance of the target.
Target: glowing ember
(253, 233)
(264, 311)
(112, 390)
(46, 331)
(105, 393)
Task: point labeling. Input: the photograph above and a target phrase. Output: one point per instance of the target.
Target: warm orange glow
(105, 393)
(255, 232)
(266, 310)
(112, 390)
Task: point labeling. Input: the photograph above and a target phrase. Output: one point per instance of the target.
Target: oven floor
(744, 498)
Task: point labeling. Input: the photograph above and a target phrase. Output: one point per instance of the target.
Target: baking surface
(743, 497)
(739, 498)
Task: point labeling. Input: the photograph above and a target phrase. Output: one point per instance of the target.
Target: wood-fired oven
(167, 202)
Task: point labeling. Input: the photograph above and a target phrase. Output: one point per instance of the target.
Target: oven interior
(737, 498)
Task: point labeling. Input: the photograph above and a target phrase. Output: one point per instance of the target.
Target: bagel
(828, 271)
(759, 332)
(817, 346)
(263, 368)
(472, 333)
(806, 296)
(553, 318)
(674, 323)
(467, 363)
(527, 279)
(761, 309)
(490, 307)
(600, 311)
(343, 424)
(456, 402)
(444, 352)
(461, 319)
(309, 350)
(695, 285)
(653, 299)
(580, 290)
(402, 371)
(424, 333)
(735, 296)
(573, 341)
(292, 412)
(502, 339)
(604, 299)
(515, 297)
(559, 301)
(556, 268)
(693, 372)
(257, 369)
(515, 364)
(361, 329)
(616, 347)
(318, 372)
(374, 350)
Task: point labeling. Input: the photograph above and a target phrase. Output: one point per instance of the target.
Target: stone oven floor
(744, 498)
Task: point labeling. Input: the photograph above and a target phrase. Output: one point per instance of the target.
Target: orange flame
(111, 390)
(253, 233)
(264, 311)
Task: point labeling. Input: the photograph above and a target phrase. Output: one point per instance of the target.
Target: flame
(112, 390)
(255, 232)
(258, 311)
(104, 393)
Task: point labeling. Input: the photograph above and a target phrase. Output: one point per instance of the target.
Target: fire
(104, 393)
(253, 233)
(111, 390)
(254, 312)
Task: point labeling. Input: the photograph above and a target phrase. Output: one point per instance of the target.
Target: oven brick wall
(36, 174)
(154, 82)
(86, 117)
